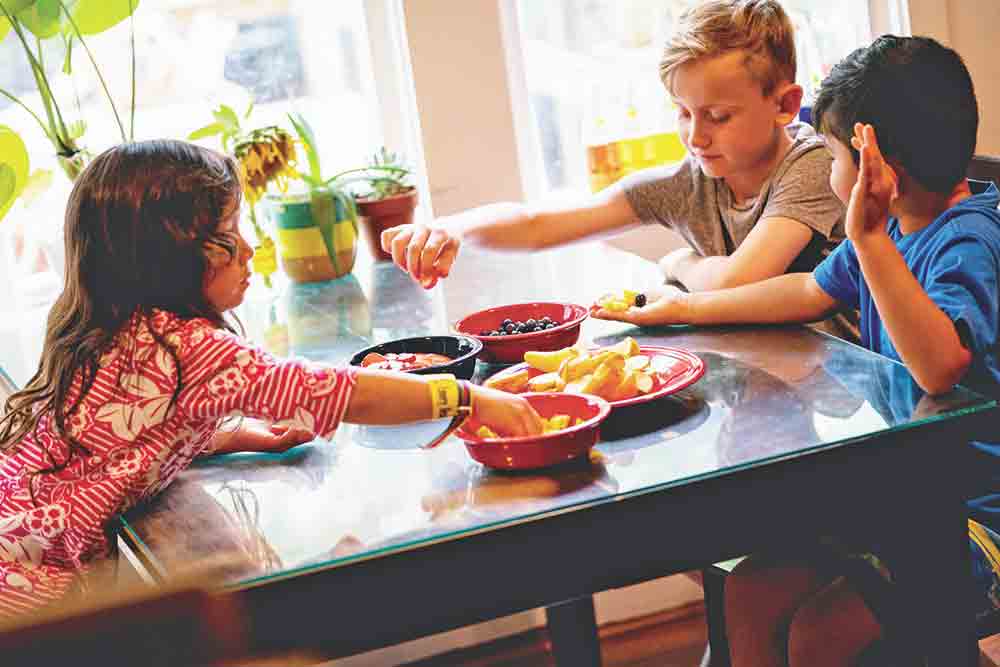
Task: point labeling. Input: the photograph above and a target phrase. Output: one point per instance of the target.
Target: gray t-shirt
(701, 208)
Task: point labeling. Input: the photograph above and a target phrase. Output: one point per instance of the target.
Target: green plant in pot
(41, 27)
(317, 228)
(391, 201)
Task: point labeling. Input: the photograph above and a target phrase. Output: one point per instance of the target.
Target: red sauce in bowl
(403, 361)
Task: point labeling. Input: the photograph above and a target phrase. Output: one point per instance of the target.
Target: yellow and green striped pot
(317, 235)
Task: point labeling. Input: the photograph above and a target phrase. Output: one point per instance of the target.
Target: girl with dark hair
(140, 367)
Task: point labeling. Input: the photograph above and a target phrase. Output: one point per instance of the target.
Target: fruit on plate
(546, 382)
(513, 383)
(553, 423)
(617, 372)
(548, 362)
(622, 300)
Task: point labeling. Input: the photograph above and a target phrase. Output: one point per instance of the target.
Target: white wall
(970, 27)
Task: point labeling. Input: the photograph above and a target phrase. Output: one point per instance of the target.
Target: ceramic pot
(381, 214)
(316, 239)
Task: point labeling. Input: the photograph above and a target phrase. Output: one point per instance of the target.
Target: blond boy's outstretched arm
(924, 335)
(427, 252)
(793, 297)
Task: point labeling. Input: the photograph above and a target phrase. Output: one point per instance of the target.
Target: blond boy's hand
(669, 307)
(875, 189)
(426, 253)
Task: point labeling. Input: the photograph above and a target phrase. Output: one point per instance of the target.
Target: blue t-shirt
(957, 261)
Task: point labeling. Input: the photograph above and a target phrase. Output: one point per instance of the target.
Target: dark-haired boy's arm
(793, 297)
(924, 336)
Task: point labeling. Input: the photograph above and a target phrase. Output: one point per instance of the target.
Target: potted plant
(390, 202)
(317, 226)
(35, 24)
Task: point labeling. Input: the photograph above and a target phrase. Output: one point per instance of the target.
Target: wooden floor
(674, 638)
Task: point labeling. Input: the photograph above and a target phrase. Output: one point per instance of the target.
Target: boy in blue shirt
(922, 265)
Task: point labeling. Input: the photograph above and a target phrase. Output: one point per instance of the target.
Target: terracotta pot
(381, 214)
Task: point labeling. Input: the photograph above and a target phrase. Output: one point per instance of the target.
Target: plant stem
(55, 102)
(131, 39)
(97, 70)
(24, 106)
(43, 85)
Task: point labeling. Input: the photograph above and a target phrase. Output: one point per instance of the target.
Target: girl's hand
(255, 436)
(507, 414)
(425, 253)
(668, 308)
(874, 191)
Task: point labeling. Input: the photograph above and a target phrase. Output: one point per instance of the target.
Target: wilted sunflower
(266, 156)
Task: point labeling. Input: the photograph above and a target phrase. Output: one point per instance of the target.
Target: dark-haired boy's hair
(918, 96)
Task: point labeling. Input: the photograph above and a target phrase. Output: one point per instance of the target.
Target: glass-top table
(789, 434)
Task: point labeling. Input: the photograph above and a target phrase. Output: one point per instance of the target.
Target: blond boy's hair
(761, 28)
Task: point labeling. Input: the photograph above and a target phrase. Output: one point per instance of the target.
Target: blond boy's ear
(788, 97)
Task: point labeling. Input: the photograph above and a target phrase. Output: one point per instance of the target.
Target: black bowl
(463, 351)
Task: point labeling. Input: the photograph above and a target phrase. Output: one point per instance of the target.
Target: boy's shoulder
(808, 152)
(977, 216)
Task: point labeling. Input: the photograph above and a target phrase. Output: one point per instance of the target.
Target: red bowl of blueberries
(507, 332)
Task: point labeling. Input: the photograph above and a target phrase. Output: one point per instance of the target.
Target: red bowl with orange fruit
(585, 414)
(505, 343)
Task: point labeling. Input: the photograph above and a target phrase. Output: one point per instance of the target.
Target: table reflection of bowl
(510, 346)
(539, 451)
(461, 351)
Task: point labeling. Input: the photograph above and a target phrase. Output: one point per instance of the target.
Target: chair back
(985, 168)
(179, 628)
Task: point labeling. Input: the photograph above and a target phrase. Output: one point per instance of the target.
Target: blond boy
(751, 198)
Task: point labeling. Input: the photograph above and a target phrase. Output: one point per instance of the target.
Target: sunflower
(266, 156)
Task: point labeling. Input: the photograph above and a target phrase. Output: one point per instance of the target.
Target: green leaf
(15, 6)
(208, 131)
(76, 129)
(39, 181)
(67, 67)
(13, 167)
(308, 138)
(225, 115)
(4, 27)
(95, 16)
(42, 18)
(246, 116)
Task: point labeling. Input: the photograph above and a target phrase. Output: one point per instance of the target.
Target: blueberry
(502, 333)
(640, 300)
(506, 322)
(509, 327)
(485, 333)
(546, 320)
(531, 322)
(550, 325)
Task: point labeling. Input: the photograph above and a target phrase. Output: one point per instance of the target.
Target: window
(592, 75)
(191, 55)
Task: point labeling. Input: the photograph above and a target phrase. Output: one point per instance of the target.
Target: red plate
(686, 369)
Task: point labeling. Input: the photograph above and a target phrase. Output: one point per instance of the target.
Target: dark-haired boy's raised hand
(875, 189)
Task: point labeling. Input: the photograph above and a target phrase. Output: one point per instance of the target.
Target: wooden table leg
(572, 629)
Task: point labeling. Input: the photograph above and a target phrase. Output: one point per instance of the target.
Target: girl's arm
(794, 297)
(923, 334)
(383, 397)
